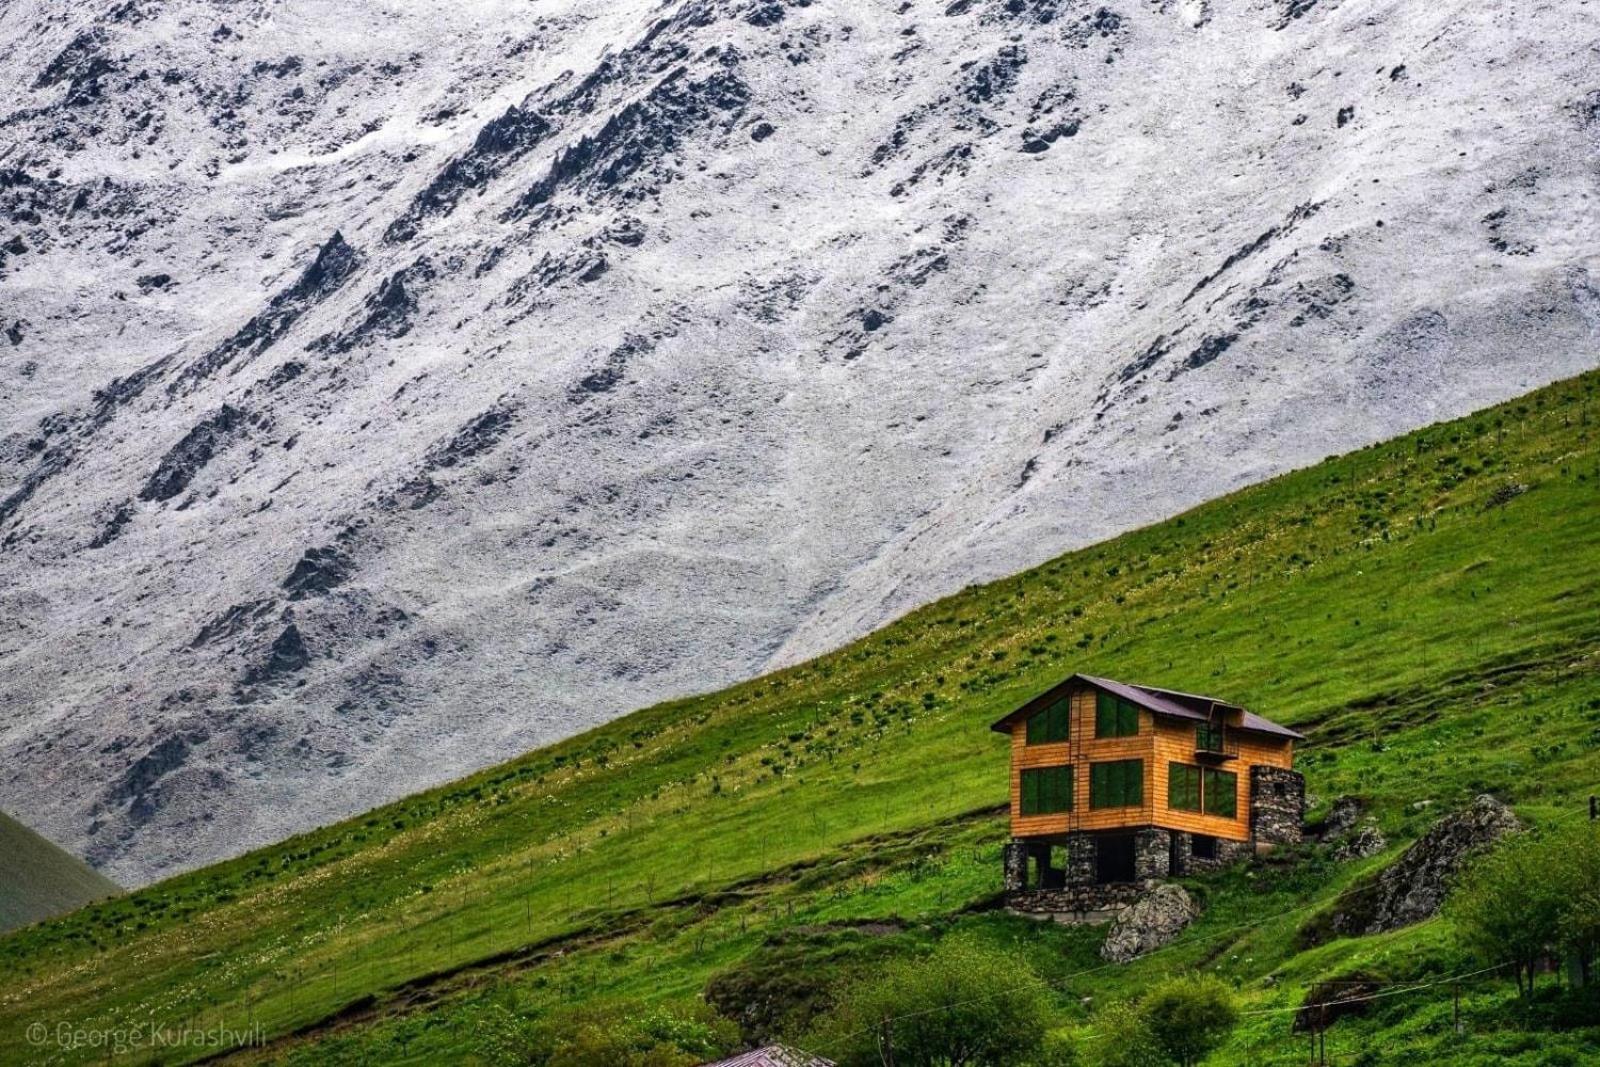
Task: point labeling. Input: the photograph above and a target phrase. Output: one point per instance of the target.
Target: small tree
(1577, 849)
(966, 1005)
(1190, 1015)
(1509, 903)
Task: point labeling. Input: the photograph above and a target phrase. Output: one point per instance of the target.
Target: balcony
(1214, 744)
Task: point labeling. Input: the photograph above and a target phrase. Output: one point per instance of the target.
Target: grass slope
(1426, 610)
(38, 880)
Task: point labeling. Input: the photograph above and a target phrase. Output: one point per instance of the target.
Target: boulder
(1414, 886)
(1328, 1002)
(1153, 920)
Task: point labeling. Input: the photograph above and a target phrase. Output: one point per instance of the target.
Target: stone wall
(1277, 805)
(1077, 905)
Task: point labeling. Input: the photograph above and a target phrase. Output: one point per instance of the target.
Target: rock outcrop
(1351, 834)
(1414, 886)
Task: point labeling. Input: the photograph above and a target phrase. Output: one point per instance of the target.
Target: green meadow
(1426, 610)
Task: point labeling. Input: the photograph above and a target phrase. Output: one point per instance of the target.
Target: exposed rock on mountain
(390, 387)
(1413, 887)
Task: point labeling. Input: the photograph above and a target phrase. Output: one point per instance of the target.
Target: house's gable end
(1168, 702)
(1037, 704)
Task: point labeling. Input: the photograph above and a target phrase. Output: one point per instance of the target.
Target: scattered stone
(1155, 919)
(1504, 494)
(1367, 840)
(1342, 818)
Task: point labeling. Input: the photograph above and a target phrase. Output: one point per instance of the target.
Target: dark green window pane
(1183, 787)
(1118, 784)
(1221, 793)
(1208, 737)
(1114, 717)
(1046, 790)
(1050, 724)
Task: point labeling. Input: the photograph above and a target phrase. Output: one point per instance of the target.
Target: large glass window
(1221, 790)
(1183, 787)
(1051, 724)
(1046, 790)
(1114, 717)
(1118, 784)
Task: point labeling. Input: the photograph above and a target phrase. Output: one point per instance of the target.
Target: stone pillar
(1014, 862)
(1152, 854)
(1183, 861)
(1277, 806)
(1080, 859)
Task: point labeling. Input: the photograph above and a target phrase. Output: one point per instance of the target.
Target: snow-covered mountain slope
(387, 387)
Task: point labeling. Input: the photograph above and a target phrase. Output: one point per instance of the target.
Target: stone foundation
(1225, 853)
(1277, 806)
(1034, 886)
(1081, 905)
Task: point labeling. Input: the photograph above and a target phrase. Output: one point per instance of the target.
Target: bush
(1123, 1038)
(1058, 1050)
(965, 1005)
(1189, 1015)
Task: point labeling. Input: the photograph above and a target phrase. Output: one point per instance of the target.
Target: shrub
(965, 1005)
(1189, 1015)
(1059, 1049)
(622, 1036)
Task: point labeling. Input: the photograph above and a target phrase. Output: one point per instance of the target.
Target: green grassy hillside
(1427, 611)
(39, 880)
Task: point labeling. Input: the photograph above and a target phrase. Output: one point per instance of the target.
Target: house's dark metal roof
(773, 1056)
(1161, 701)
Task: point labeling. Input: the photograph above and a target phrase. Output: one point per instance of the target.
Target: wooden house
(1117, 783)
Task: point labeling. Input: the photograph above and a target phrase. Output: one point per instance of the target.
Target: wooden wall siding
(1174, 743)
(1158, 742)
